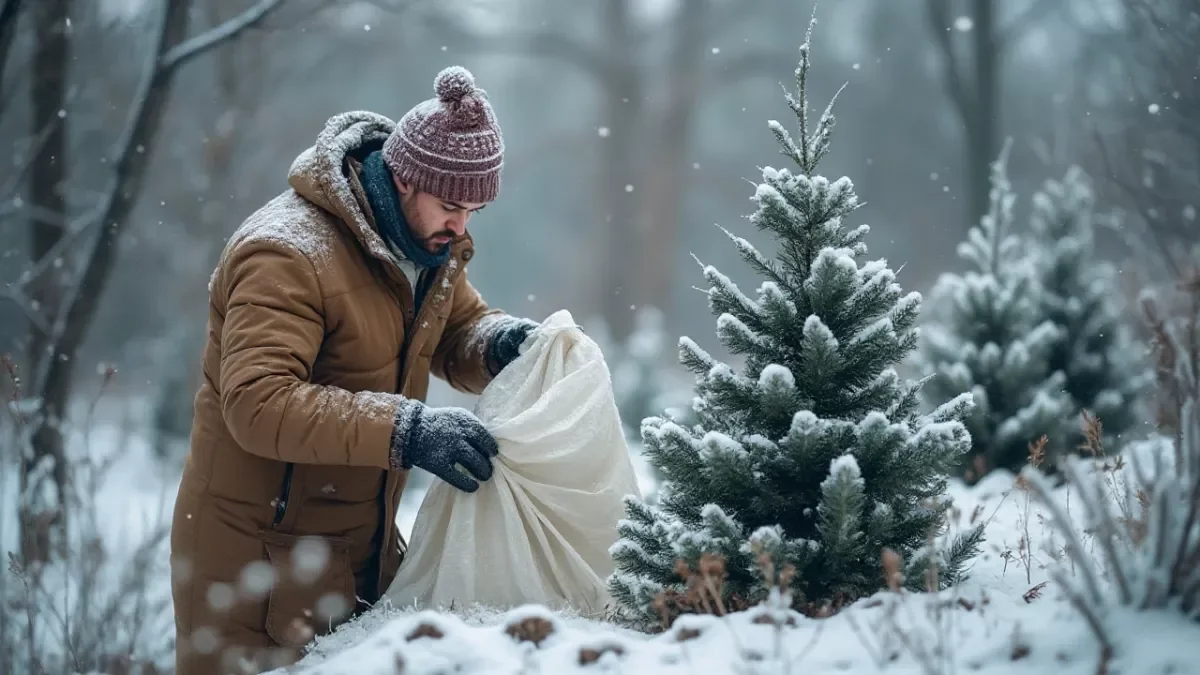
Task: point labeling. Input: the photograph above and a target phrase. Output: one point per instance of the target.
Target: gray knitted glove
(506, 342)
(440, 439)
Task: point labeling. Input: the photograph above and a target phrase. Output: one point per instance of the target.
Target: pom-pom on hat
(449, 146)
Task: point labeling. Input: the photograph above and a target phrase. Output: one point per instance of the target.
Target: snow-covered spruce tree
(986, 335)
(1146, 548)
(813, 454)
(1103, 369)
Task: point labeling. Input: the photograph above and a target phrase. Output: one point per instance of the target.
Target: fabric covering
(540, 530)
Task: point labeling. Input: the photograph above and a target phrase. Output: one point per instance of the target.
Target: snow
(776, 376)
(1005, 618)
(716, 444)
(816, 330)
(132, 499)
(846, 466)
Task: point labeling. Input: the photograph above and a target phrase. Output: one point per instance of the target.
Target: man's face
(434, 222)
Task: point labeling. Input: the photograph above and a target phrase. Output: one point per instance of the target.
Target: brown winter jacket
(311, 344)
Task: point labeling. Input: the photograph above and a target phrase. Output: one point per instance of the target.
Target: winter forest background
(135, 135)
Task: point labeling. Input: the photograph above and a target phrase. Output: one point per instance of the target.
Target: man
(329, 308)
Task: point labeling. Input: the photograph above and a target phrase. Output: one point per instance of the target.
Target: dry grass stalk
(1034, 593)
(49, 625)
(892, 566)
(1093, 434)
(1037, 456)
(704, 592)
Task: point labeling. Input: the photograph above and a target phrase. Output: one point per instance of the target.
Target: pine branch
(999, 214)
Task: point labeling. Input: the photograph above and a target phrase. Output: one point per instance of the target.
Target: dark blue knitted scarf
(384, 199)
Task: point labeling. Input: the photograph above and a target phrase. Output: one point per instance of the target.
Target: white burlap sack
(539, 531)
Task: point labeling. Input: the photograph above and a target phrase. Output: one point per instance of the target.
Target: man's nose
(458, 224)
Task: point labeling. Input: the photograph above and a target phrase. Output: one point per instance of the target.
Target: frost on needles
(989, 337)
(813, 452)
(1103, 368)
(1034, 329)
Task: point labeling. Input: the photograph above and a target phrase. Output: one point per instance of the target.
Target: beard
(431, 244)
(415, 225)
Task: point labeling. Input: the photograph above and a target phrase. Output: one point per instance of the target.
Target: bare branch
(131, 160)
(938, 12)
(10, 186)
(1144, 204)
(21, 300)
(394, 6)
(74, 229)
(1039, 10)
(193, 47)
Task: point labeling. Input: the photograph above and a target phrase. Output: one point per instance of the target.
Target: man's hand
(506, 342)
(438, 439)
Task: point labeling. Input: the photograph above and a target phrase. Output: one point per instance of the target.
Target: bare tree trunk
(79, 300)
(48, 223)
(664, 180)
(983, 141)
(623, 103)
(975, 90)
(10, 13)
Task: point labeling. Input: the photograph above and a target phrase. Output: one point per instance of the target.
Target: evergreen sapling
(814, 454)
(1102, 367)
(987, 336)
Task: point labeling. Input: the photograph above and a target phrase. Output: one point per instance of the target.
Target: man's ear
(404, 188)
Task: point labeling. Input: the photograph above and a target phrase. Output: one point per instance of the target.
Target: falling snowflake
(220, 596)
(964, 24)
(716, 50)
(629, 188)
(603, 132)
(256, 579)
(1154, 108)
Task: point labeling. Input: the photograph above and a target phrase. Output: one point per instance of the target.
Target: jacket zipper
(284, 495)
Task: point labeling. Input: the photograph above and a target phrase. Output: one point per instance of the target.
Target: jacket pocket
(313, 588)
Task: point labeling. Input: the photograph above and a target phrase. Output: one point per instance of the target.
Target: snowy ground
(99, 601)
(1005, 619)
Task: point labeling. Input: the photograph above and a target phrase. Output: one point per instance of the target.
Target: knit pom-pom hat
(449, 146)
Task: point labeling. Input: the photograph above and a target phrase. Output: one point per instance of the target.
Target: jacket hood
(319, 173)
